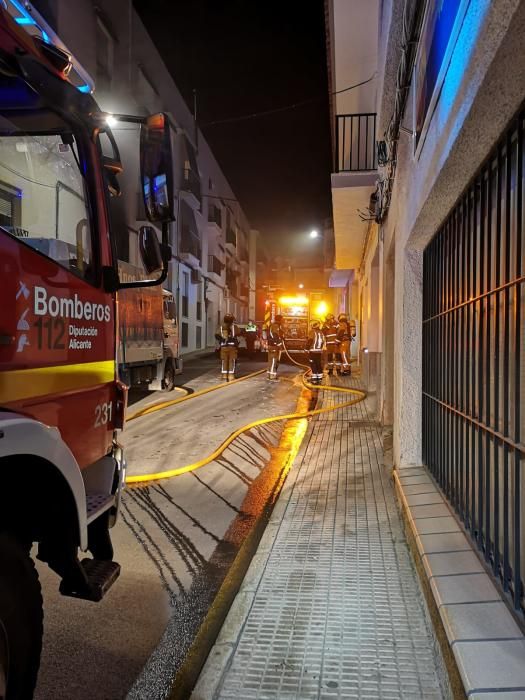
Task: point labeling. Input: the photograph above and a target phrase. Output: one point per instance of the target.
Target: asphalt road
(175, 540)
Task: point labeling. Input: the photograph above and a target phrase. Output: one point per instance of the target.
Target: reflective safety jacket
(330, 331)
(274, 336)
(315, 341)
(343, 332)
(227, 335)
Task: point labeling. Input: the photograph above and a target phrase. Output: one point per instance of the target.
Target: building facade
(211, 237)
(427, 192)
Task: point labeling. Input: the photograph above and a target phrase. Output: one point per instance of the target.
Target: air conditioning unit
(196, 277)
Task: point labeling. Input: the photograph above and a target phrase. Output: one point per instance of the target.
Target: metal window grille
(355, 142)
(474, 360)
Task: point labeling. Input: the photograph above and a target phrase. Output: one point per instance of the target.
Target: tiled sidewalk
(331, 606)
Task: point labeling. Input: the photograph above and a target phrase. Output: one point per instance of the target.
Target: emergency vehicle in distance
(61, 401)
(149, 344)
(297, 311)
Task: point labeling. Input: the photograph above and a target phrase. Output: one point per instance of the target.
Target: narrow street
(175, 539)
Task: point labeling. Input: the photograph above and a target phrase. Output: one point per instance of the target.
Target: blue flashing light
(24, 20)
(84, 88)
(45, 37)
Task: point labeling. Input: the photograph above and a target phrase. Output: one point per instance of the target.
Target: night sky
(246, 56)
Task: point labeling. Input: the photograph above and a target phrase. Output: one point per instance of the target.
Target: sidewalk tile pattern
(338, 612)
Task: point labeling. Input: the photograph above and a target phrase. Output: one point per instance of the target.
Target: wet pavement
(175, 540)
(331, 606)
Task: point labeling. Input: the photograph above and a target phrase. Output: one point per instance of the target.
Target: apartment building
(210, 271)
(427, 191)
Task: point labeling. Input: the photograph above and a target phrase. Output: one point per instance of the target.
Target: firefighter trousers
(315, 360)
(344, 350)
(228, 360)
(274, 357)
(333, 357)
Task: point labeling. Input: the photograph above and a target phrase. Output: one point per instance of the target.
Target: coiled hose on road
(167, 474)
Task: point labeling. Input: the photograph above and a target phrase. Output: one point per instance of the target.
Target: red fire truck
(61, 402)
(297, 311)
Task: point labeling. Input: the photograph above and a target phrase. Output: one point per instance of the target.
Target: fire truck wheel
(168, 383)
(21, 621)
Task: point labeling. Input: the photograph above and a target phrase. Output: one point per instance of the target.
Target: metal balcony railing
(190, 243)
(214, 265)
(215, 215)
(192, 183)
(355, 142)
(232, 282)
(231, 237)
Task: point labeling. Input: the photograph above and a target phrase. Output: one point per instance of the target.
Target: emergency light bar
(35, 25)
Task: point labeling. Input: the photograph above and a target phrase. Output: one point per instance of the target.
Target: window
(184, 335)
(42, 192)
(185, 292)
(199, 311)
(105, 56)
(198, 337)
(10, 208)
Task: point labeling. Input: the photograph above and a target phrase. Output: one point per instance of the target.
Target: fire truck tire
(168, 383)
(21, 621)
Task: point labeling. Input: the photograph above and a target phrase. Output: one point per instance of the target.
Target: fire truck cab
(61, 401)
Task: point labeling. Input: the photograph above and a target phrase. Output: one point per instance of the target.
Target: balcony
(191, 183)
(232, 282)
(190, 245)
(215, 215)
(243, 254)
(231, 239)
(355, 143)
(215, 265)
(353, 184)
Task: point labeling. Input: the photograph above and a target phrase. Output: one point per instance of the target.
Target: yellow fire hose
(360, 396)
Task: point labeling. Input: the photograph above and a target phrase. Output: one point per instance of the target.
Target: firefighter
(228, 341)
(333, 358)
(315, 344)
(344, 335)
(274, 337)
(251, 336)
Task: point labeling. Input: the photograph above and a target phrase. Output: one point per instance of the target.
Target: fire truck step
(100, 575)
(97, 503)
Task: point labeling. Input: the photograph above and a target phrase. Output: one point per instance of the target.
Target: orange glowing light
(294, 301)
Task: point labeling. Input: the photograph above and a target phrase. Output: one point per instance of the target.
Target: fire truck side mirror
(156, 168)
(150, 250)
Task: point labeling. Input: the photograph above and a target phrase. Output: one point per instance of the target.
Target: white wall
(355, 25)
(483, 88)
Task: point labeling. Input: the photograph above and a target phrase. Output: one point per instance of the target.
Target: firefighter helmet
(278, 318)
(330, 317)
(342, 317)
(316, 324)
(229, 318)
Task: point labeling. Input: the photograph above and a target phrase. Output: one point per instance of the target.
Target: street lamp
(314, 233)
(301, 286)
